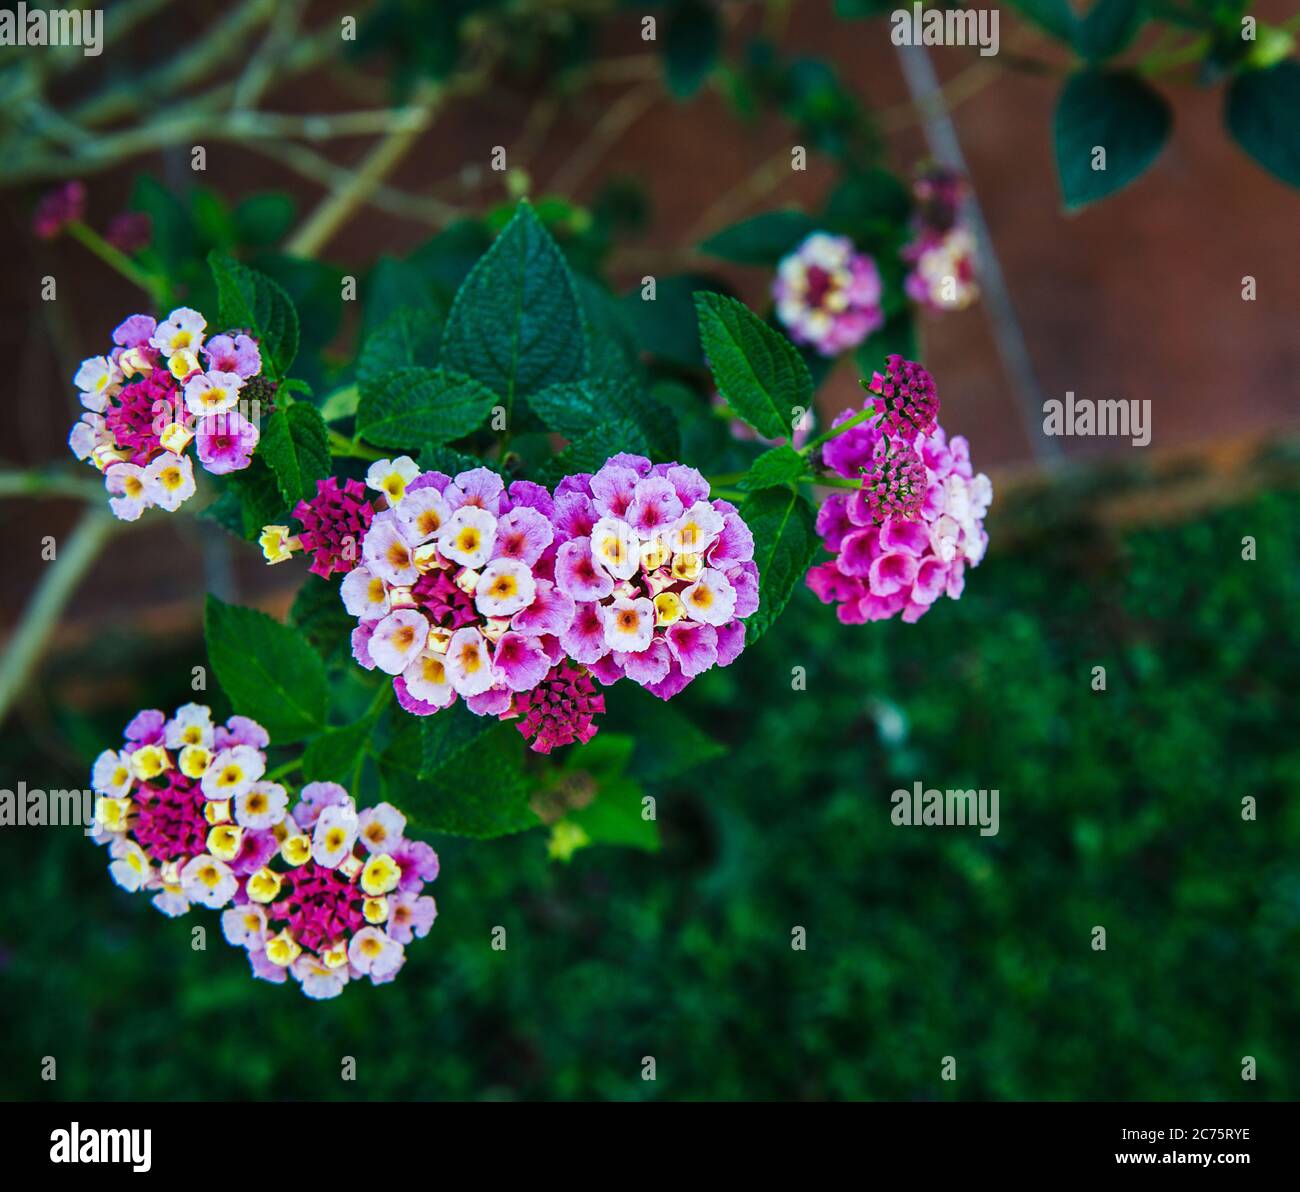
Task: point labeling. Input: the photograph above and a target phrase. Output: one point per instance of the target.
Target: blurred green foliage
(1119, 808)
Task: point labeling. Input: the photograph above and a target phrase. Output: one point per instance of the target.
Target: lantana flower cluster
(904, 537)
(162, 387)
(321, 891)
(828, 294)
(513, 600)
(661, 577)
(941, 254)
(184, 808)
(339, 899)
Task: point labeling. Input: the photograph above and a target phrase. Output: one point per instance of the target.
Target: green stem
(836, 482)
(116, 259)
(341, 445)
(74, 559)
(280, 771)
(835, 431)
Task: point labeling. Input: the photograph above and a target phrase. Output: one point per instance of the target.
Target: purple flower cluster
(906, 534)
(163, 386)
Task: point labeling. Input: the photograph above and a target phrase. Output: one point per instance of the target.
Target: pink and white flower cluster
(184, 807)
(321, 891)
(662, 578)
(905, 537)
(827, 294)
(340, 899)
(507, 599)
(162, 387)
(942, 254)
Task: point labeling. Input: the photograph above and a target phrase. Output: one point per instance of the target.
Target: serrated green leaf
(574, 409)
(267, 669)
(333, 756)
(257, 492)
(757, 370)
(249, 299)
(762, 240)
(408, 406)
(779, 466)
(588, 452)
(1110, 110)
(264, 219)
(295, 445)
(785, 541)
(515, 324)
(457, 773)
(318, 612)
(1263, 115)
(410, 337)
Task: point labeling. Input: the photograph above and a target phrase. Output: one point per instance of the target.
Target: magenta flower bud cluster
(509, 599)
(905, 537)
(827, 294)
(318, 892)
(162, 387)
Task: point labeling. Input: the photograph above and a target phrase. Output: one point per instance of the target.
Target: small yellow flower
(654, 555)
(335, 957)
(217, 811)
(687, 566)
(194, 760)
(278, 544)
(112, 813)
(375, 910)
(149, 761)
(296, 850)
(224, 841)
(668, 608)
(264, 885)
(176, 437)
(282, 949)
(183, 363)
(133, 361)
(380, 875)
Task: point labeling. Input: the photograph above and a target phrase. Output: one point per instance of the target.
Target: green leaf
(436, 457)
(1107, 28)
(1263, 115)
(251, 300)
(410, 405)
(665, 325)
(516, 325)
(409, 337)
(785, 541)
(459, 773)
(574, 409)
(333, 756)
(615, 815)
(668, 742)
(588, 452)
(781, 465)
(1114, 111)
(318, 612)
(267, 669)
(691, 45)
(295, 445)
(868, 203)
(264, 219)
(257, 493)
(757, 370)
(762, 240)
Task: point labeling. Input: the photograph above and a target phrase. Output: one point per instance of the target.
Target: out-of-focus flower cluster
(338, 900)
(127, 231)
(162, 387)
(941, 254)
(827, 294)
(904, 536)
(320, 891)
